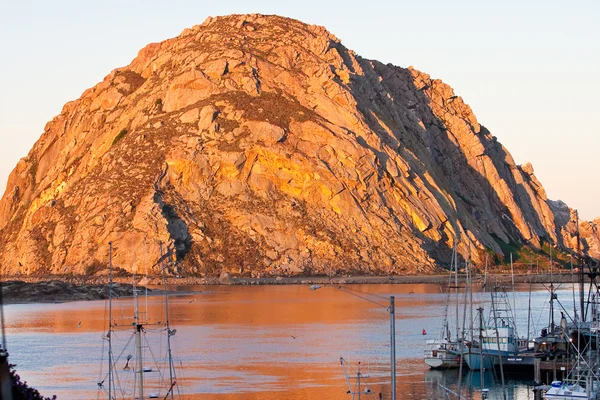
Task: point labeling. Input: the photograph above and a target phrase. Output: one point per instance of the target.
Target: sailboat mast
(582, 310)
(455, 259)
(573, 291)
(495, 316)
(512, 274)
(470, 276)
(551, 315)
(162, 266)
(481, 369)
(462, 338)
(110, 363)
(138, 343)
(529, 303)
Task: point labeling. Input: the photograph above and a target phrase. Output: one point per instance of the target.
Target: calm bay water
(257, 342)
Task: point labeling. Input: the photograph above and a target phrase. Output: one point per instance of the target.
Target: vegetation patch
(522, 254)
(120, 136)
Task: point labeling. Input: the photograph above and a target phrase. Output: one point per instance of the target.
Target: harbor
(562, 358)
(235, 342)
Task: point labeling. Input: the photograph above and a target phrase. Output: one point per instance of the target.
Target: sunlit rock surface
(259, 145)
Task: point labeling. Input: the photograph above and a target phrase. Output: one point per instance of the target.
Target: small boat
(571, 390)
(442, 353)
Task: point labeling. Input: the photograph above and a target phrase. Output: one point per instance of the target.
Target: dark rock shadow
(395, 100)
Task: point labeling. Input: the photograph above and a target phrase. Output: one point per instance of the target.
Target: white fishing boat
(444, 353)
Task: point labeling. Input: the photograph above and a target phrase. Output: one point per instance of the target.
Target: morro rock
(258, 145)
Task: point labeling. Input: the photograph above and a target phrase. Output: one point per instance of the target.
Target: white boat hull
(440, 363)
(568, 392)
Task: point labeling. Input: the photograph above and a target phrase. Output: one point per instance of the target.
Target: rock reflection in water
(234, 342)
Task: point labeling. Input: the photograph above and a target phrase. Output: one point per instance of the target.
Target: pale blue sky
(529, 69)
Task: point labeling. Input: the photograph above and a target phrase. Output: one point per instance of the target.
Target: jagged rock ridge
(261, 145)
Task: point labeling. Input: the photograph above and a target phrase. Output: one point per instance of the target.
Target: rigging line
(2, 324)
(103, 345)
(536, 324)
(101, 370)
(179, 391)
(362, 292)
(565, 310)
(119, 356)
(101, 363)
(360, 297)
(154, 359)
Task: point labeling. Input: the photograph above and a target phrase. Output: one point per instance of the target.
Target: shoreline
(55, 290)
(563, 277)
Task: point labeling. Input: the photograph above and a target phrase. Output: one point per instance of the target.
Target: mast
(551, 322)
(481, 371)
(485, 271)
(529, 304)
(512, 274)
(169, 332)
(470, 278)
(138, 342)
(110, 363)
(462, 338)
(5, 382)
(455, 257)
(551, 263)
(498, 344)
(392, 346)
(582, 310)
(573, 290)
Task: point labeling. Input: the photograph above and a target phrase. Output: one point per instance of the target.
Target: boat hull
(443, 363)
(567, 395)
(476, 362)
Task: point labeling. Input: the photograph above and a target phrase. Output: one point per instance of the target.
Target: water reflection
(267, 342)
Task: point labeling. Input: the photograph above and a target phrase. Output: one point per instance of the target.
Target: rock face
(259, 145)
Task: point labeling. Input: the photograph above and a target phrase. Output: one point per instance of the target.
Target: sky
(530, 70)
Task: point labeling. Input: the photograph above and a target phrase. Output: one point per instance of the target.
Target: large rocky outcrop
(261, 145)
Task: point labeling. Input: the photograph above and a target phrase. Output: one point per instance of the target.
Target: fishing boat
(138, 372)
(444, 353)
(499, 343)
(440, 354)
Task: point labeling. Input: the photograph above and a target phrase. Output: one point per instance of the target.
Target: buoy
(424, 332)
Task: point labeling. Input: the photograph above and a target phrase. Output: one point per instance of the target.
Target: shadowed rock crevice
(176, 226)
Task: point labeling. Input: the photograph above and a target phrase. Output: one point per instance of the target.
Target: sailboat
(444, 353)
(135, 372)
